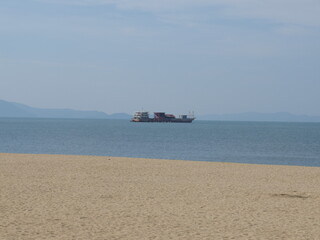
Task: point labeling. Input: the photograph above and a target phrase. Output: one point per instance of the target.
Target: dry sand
(81, 197)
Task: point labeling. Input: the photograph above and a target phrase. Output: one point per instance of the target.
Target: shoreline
(157, 159)
(92, 197)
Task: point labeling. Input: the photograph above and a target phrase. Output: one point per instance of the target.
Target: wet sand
(82, 197)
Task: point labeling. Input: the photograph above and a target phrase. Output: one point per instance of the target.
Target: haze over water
(243, 142)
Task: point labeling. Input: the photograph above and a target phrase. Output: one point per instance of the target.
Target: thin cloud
(278, 11)
(283, 11)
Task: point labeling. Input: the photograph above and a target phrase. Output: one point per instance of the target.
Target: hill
(11, 109)
(254, 116)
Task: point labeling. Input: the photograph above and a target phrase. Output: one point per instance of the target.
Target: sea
(278, 143)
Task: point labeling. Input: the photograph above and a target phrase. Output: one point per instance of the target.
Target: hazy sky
(210, 56)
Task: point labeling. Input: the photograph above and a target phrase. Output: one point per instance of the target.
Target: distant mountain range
(254, 116)
(17, 110)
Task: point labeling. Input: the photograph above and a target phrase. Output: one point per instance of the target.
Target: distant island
(18, 110)
(261, 117)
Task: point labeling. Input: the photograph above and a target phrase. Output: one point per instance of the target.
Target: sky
(206, 56)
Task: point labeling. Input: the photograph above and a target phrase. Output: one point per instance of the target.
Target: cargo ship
(162, 117)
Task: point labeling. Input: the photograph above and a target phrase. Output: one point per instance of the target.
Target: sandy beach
(87, 197)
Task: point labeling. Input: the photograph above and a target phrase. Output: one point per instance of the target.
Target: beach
(89, 197)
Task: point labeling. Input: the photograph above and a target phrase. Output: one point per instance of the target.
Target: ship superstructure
(161, 117)
(141, 117)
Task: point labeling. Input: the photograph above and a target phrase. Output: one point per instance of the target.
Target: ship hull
(177, 120)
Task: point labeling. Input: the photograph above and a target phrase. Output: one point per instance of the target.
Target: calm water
(245, 142)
